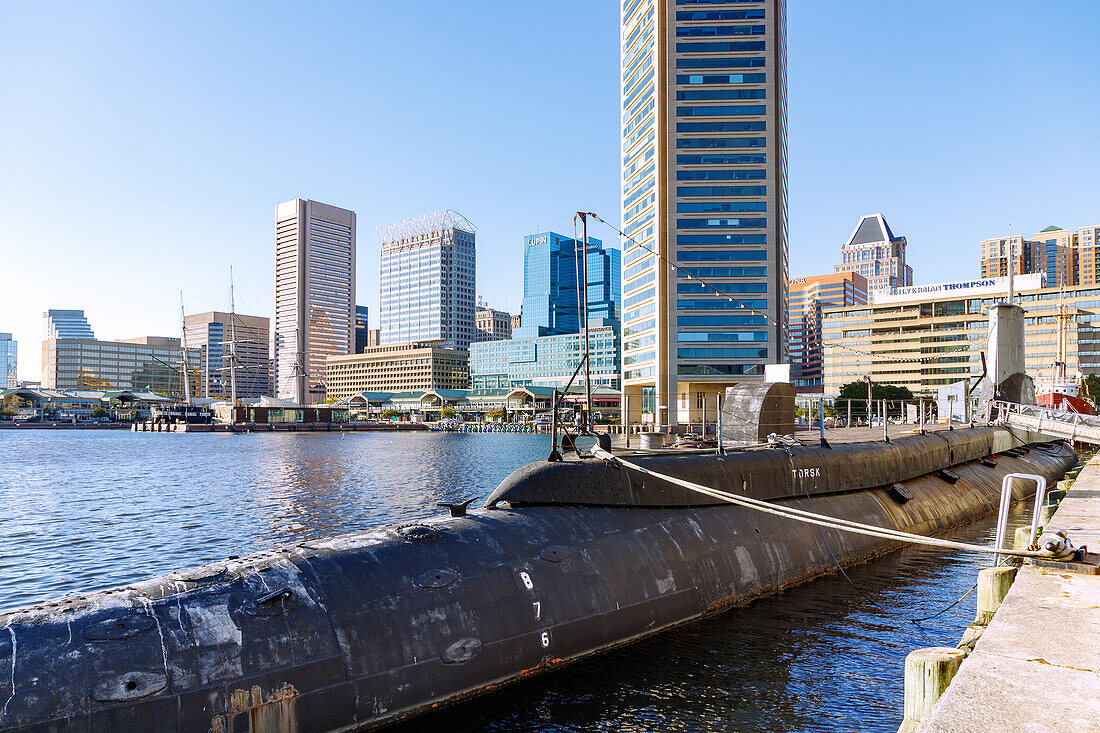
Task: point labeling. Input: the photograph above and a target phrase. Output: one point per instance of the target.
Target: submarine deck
(836, 436)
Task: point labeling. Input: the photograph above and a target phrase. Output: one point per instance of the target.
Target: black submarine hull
(357, 631)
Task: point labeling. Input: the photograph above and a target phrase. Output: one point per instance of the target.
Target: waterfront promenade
(1037, 666)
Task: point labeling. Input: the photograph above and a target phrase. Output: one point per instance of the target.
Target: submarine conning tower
(1006, 378)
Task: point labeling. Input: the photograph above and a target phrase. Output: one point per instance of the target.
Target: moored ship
(565, 560)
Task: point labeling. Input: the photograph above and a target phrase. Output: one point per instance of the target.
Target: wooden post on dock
(993, 585)
(928, 672)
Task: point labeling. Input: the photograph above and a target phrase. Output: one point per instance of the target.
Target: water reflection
(87, 511)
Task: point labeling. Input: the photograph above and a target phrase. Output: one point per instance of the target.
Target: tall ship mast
(1062, 392)
(232, 341)
(183, 355)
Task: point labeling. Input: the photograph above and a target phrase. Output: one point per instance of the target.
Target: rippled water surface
(90, 510)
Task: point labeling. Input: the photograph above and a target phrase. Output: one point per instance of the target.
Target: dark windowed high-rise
(550, 272)
(361, 328)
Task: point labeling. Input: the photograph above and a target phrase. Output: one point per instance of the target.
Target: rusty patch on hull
(251, 711)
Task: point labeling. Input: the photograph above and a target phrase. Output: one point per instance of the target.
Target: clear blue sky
(143, 146)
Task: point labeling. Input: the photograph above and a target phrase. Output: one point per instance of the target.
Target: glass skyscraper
(704, 186)
(9, 362)
(314, 295)
(428, 280)
(361, 326)
(550, 272)
(547, 346)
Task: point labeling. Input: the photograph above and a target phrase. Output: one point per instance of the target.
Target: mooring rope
(822, 520)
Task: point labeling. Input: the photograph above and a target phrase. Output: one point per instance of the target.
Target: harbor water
(90, 510)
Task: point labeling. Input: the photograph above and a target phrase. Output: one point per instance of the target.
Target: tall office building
(808, 295)
(212, 333)
(9, 361)
(875, 253)
(550, 294)
(491, 324)
(1088, 255)
(361, 328)
(704, 186)
(66, 324)
(314, 295)
(428, 280)
(147, 363)
(549, 345)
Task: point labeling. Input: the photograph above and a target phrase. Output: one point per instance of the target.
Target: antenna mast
(299, 370)
(183, 355)
(233, 340)
(584, 316)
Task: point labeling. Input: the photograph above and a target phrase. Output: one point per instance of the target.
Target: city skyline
(153, 124)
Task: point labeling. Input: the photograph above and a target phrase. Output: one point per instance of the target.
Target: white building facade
(428, 280)
(314, 295)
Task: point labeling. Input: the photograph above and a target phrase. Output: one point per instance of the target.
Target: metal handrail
(1006, 502)
(1045, 413)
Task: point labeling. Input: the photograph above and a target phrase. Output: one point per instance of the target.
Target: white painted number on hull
(545, 639)
(526, 580)
(538, 609)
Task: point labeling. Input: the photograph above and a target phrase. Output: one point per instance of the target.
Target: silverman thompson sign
(961, 288)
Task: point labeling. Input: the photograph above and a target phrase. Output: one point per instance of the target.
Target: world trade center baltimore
(704, 201)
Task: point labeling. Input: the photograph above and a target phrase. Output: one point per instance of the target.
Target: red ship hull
(1069, 403)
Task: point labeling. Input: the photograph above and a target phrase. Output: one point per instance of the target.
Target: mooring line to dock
(945, 610)
(822, 520)
(787, 447)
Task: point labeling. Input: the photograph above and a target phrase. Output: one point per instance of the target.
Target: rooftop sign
(961, 288)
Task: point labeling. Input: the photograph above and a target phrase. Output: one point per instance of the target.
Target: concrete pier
(1037, 665)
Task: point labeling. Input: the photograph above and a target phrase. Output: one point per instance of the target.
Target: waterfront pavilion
(530, 399)
(365, 403)
(483, 401)
(43, 403)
